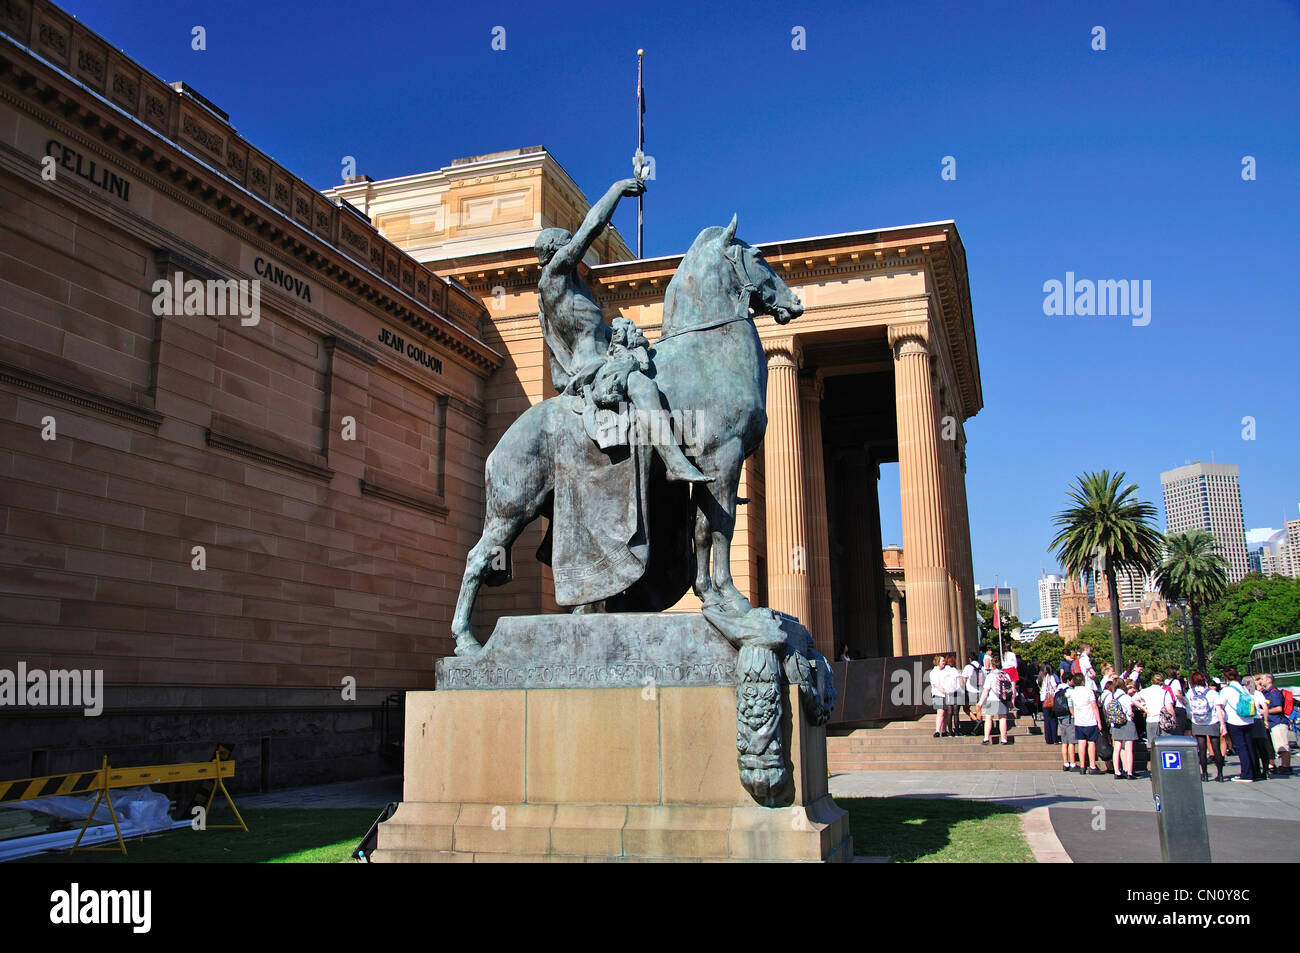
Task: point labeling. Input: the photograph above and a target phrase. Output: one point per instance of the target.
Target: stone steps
(911, 746)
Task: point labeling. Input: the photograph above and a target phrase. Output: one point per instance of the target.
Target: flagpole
(997, 614)
(640, 139)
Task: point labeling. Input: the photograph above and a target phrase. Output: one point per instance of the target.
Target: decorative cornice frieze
(80, 396)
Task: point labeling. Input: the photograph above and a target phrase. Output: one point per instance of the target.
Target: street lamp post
(1182, 624)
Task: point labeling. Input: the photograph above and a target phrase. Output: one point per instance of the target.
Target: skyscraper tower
(1208, 496)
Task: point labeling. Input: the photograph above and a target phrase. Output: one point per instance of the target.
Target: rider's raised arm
(597, 219)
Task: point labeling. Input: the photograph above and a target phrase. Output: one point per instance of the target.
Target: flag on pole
(997, 613)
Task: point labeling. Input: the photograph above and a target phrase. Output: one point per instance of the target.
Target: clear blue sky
(1122, 164)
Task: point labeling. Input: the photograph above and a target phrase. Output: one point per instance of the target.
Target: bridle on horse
(747, 289)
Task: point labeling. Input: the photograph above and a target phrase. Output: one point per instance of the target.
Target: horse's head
(768, 294)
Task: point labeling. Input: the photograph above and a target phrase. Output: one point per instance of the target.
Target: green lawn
(908, 830)
(275, 836)
(936, 830)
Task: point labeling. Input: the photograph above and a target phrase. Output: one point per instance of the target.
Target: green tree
(1107, 526)
(1195, 573)
(984, 621)
(1254, 610)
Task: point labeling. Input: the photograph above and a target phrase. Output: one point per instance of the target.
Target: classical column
(963, 544)
(924, 538)
(787, 538)
(874, 581)
(855, 574)
(822, 627)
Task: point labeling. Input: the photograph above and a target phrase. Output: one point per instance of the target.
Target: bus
(1280, 658)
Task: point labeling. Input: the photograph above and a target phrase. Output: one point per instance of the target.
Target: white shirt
(1153, 699)
(1047, 691)
(936, 682)
(1261, 707)
(1081, 701)
(949, 679)
(1089, 673)
(1009, 660)
(1230, 697)
(972, 673)
(1177, 688)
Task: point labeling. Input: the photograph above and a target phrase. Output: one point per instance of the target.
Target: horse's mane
(691, 265)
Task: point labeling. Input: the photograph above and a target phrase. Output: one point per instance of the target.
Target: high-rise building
(1290, 555)
(1008, 598)
(1208, 496)
(1050, 587)
(1131, 583)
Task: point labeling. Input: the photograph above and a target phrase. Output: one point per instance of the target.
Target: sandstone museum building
(253, 519)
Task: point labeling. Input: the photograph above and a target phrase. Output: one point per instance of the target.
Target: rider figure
(575, 330)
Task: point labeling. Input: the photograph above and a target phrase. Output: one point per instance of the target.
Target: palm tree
(1106, 526)
(1193, 571)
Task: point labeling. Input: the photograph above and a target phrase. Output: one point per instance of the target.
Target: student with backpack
(1123, 730)
(1156, 702)
(1238, 716)
(1065, 724)
(995, 699)
(1205, 709)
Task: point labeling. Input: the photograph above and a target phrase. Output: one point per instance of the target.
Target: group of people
(1097, 719)
(985, 689)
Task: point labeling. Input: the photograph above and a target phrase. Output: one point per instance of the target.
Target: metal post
(1180, 801)
(640, 140)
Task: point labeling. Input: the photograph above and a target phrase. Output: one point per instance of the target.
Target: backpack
(1245, 703)
(1168, 715)
(1061, 703)
(1198, 704)
(1115, 713)
(1076, 668)
(1288, 702)
(1004, 688)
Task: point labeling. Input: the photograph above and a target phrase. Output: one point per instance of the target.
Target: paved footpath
(1258, 821)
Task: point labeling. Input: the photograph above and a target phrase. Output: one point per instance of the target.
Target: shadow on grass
(930, 830)
(275, 835)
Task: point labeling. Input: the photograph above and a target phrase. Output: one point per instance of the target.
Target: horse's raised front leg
(725, 468)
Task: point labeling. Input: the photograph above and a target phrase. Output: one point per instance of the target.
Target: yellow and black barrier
(104, 780)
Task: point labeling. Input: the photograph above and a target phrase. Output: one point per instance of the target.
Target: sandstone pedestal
(646, 771)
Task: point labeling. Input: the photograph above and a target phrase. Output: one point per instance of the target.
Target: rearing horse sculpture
(708, 360)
